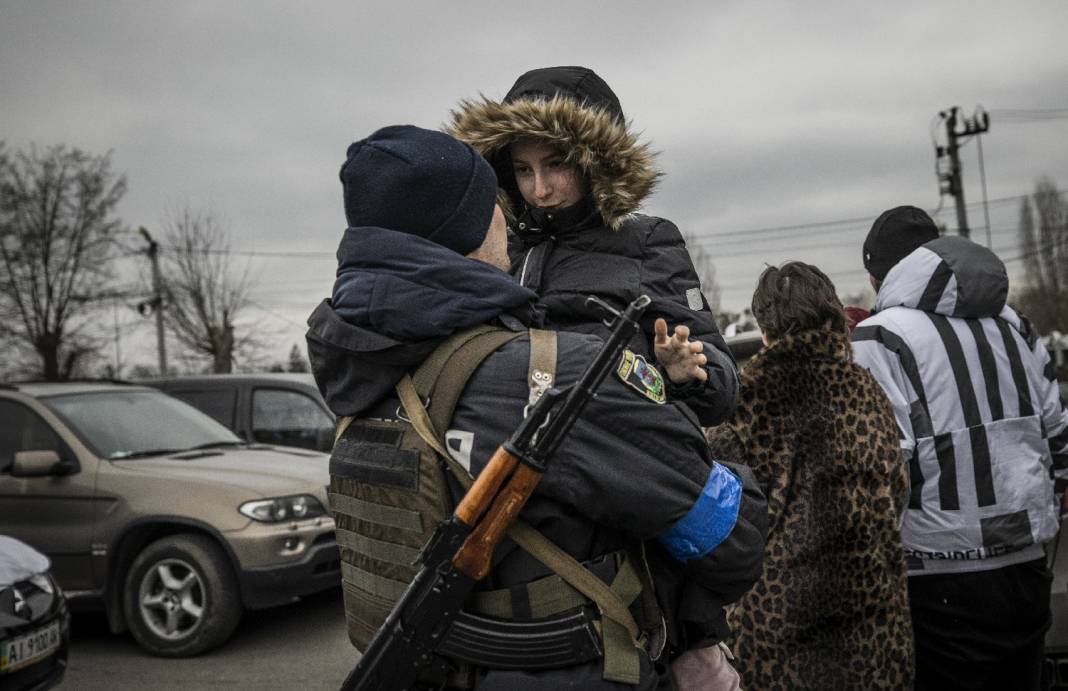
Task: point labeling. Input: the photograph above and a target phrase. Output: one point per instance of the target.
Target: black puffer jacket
(599, 246)
(630, 469)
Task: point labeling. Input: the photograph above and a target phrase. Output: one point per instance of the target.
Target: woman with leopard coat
(831, 609)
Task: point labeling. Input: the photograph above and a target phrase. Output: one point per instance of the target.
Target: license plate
(29, 648)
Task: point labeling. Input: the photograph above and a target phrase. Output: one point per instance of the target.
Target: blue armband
(710, 519)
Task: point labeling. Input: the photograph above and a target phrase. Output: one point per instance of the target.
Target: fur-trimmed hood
(574, 109)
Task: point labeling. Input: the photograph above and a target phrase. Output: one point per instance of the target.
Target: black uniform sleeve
(734, 575)
(634, 468)
(737, 563)
(628, 463)
(669, 278)
(727, 574)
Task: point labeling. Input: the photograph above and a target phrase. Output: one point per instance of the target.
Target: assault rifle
(458, 555)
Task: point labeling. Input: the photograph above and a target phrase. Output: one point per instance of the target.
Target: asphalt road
(298, 646)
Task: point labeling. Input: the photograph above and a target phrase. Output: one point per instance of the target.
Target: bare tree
(706, 271)
(204, 291)
(57, 243)
(1044, 295)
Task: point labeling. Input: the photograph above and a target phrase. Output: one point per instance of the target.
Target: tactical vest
(388, 492)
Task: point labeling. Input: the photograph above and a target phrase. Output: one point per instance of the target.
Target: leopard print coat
(831, 610)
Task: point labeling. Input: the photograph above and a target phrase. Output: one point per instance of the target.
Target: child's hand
(680, 357)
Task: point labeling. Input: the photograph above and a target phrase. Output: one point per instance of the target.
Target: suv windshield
(126, 424)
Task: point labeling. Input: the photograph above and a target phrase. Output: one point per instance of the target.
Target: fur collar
(621, 169)
(817, 344)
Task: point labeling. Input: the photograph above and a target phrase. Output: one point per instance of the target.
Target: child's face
(544, 177)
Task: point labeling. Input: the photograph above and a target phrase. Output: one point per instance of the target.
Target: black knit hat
(894, 235)
(421, 182)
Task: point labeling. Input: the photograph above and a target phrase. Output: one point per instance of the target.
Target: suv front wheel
(181, 597)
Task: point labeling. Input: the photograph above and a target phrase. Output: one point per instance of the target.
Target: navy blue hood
(412, 289)
(396, 297)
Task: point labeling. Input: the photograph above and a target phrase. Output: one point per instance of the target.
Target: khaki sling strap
(426, 377)
(541, 374)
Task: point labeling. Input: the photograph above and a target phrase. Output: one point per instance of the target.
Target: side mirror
(40, 464)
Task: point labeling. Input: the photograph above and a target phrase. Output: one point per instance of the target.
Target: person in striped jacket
(985, 437)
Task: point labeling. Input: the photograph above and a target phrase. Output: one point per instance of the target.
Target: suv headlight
(294, 508)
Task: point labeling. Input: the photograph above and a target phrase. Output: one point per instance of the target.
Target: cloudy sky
(766, 114)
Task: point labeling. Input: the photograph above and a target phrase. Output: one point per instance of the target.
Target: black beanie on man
(894, 236)
(421, 182)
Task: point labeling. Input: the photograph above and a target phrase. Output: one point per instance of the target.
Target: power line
(733, 244)
(823, 246)
(745, 235)
(271, 312)
(1030, 114)
(256, 253)
(785, 231)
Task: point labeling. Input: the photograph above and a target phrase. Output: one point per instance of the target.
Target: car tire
(181, 597)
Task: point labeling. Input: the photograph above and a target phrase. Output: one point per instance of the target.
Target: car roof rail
(73, 380)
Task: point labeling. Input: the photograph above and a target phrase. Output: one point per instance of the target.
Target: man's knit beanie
(421, 182)
(894, 235)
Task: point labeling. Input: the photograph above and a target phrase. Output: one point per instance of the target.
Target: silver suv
(153, 510)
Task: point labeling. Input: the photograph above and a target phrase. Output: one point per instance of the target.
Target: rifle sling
(426, 376)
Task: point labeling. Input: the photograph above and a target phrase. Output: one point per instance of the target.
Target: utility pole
(950, 181)
(118, 338)
(157, 300)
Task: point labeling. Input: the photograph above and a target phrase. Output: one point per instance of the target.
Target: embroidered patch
(694, 299)
(640, 375)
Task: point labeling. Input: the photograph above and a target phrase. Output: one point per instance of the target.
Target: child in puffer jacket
(572, 177)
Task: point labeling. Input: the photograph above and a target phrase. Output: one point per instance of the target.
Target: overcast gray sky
(766, 114)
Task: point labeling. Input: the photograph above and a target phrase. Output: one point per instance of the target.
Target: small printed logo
(21, 607)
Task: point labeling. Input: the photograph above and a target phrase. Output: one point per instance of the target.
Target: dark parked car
(34, 621)
(283, 409)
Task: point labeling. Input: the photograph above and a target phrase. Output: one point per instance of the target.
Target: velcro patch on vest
(641, 376)
(375, 462)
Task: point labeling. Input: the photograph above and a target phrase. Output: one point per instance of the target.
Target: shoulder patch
(694, 300)
(641, 376)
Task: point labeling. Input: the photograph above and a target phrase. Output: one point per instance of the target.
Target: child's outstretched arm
(668, 277)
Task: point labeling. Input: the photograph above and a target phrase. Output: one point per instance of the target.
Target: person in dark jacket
(423, 257)
(572, 178)
(831, 608)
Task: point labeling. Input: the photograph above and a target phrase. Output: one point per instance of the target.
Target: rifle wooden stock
(476, 553)
(485, 487)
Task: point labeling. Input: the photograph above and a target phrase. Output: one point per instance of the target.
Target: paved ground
(298, 646)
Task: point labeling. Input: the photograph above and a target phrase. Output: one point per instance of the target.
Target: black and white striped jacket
(977, 402)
